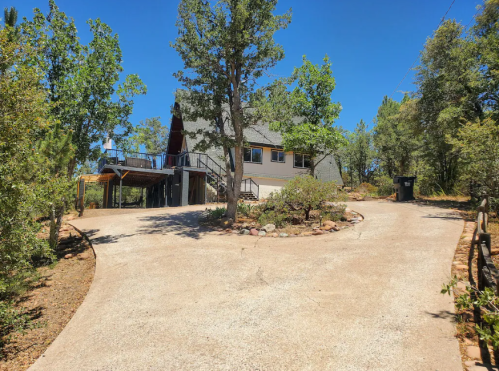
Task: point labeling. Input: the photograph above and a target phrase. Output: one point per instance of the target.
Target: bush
(218, 213)
(367, 188)
(385, 185)
(244, 209)
(297, 199)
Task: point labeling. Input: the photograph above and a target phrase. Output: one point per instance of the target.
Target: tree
(360, 155)
(308, 127)
(152, 135)
(83, 81)
(393, 139)
(10, 17)
(449, 90)
(53, 154)
(23, 121)
(226, 48)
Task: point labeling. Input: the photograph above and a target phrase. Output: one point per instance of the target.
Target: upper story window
(302, 161)
(278, 156)
(253, 155)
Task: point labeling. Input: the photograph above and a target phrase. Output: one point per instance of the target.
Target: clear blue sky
(371, 44)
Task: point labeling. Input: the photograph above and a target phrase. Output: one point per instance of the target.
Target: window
(253, 155)
(302, 160)
(277, 156)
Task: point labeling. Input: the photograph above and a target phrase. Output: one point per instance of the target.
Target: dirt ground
(52, 301)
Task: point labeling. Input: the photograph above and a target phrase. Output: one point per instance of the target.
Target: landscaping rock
(68, 256)
(473, 352)
(262, 233)
(307, 233)
(253, 232)
(329, 223)
(336, 229)
(326, 228)
(283, 235)
(269, 228)
(318, 232)
(245, 225)
(245, 231)
(83, 256)
(275, 235)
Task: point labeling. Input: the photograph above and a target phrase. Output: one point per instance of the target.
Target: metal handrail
(132, 159)
(249, 185)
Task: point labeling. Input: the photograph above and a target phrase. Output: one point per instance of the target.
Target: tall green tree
(83, 80)
(308, 126)
(226, 47)
(23, 120)
(393, 139)
(10, 17)
(152, 135)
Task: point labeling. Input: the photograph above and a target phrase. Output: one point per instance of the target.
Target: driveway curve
(168, 295)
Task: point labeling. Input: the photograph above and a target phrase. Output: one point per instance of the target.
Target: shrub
(385, 185)
(244, 209)
(297, 199)
(217, 213)
(367, 188)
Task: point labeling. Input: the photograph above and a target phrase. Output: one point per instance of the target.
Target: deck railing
(132, 159)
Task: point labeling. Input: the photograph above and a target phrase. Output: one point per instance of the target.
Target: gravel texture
(168, 295)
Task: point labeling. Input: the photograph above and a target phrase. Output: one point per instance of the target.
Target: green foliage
(297, 199)
(23, 121)
(478, 145)
(217, 213)
(244, 209)
(368, 189)
(385, 185)
(305, 116)
(487, 301)
(83, 80)
(150, 134)
(226, 47)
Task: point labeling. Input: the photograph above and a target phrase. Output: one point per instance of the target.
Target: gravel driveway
(170, 296)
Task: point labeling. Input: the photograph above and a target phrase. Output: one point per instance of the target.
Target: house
(182, 176)
(267, 167)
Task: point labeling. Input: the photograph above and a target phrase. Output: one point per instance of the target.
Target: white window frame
(251, 157)
(302, 161)
(278, 151)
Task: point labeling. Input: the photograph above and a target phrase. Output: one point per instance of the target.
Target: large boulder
(329, 223)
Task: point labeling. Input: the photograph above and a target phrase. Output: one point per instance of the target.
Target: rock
(473, 352)
(329, 223)
(283, 235)
(83, 255)
(68, 256)
(275, 235)
(326, 228)
(245, 231)
(245, 225)
(336, 228)
(461, 267)
(253, 232)
(468, 342)
(262, 233)
(269, 228)
(307, 233)
(228, 230)
(318, 232)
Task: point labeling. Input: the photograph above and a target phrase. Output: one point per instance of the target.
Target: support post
(121, 185)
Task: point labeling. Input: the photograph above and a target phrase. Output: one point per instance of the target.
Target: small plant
(368, 189)
(244, 209)
(487, 301)
(217, 213)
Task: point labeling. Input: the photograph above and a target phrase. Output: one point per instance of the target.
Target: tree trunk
(56, 215)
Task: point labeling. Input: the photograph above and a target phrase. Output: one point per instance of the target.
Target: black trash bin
(404, 187)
